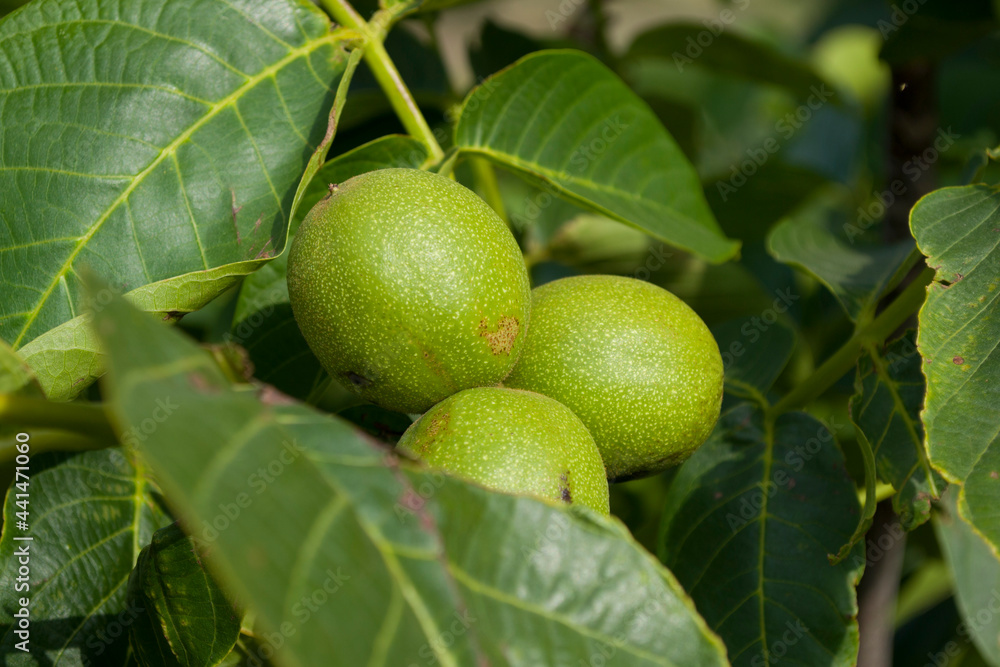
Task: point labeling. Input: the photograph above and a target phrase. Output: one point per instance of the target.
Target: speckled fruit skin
(409, 288)
(634, 363)
(514, 441)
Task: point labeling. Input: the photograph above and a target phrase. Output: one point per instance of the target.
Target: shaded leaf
(186, 619)
(958, 229)
(549, 119)
(975, 572)
(754, 352)
(393, 555)
(858, 275)
(749, 522)
(871, 501)
(89, 515)
(731, 54)
(263, 321)
(774, 191)
(382, 424)
(889, 394)
(193, 153)
(595, 244)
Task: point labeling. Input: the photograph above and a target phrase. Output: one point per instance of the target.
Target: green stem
(385, 71)
(26, 412)
(486, 182)
(843, 360)
(52, 441)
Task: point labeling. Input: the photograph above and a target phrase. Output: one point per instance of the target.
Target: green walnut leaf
(195, 143)
(748, 526)
(186, 620)
(886, 408)
(975, 572)
(332, 542)
(563, 120)
(958, 229)
(89, 514)
(263, 321)
(857, 275)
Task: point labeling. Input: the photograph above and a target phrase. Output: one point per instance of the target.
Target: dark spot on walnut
(357, 380)
(564, 492)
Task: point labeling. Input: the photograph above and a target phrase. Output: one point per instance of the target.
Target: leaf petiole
(843, 360)
(385, 71)
(84, 419)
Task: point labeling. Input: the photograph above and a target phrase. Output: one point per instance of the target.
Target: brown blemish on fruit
(501, 338)
(435, 427)
(439, 422)
(564, 487)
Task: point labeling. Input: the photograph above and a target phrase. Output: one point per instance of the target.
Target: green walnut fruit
(634, 363)
(513, 441)
(408, 288)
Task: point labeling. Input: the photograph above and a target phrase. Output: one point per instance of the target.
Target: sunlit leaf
(958, 229)
(198, 119)
(563, 120)
(398, 563)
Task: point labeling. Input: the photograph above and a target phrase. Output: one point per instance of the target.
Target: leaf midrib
(167, 152)
(556, 177)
